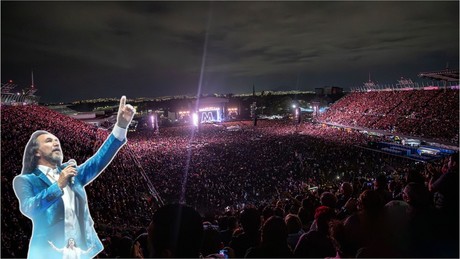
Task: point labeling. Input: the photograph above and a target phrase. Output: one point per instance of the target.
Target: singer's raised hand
(125, 113)
(65, 175)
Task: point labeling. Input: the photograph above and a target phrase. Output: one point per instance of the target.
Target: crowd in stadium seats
(432, 114)
(277, 189)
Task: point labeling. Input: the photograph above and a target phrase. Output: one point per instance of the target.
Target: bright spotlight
(294, 106)
(195, 119)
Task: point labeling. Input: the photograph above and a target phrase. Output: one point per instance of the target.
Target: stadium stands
(424, 113)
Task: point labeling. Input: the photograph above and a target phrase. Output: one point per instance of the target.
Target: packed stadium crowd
(424, 113)
(274, 190)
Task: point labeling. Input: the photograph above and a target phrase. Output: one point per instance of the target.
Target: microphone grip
(72, 163)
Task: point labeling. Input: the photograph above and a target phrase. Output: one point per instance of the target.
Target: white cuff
(119, 132)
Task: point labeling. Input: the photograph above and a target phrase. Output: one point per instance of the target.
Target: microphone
(72, 163)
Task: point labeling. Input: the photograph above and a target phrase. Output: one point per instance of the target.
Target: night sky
(86, 50)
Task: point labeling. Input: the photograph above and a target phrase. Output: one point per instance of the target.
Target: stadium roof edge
(450, 75)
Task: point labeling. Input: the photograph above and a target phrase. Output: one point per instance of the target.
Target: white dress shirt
(72, 227)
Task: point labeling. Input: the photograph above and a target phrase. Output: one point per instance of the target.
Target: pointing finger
(122, 103)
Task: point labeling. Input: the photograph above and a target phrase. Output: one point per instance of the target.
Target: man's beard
(54, 159)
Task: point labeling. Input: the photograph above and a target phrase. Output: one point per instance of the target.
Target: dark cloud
(82, 50)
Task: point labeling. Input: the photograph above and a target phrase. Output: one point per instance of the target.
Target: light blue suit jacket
(40, 200)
